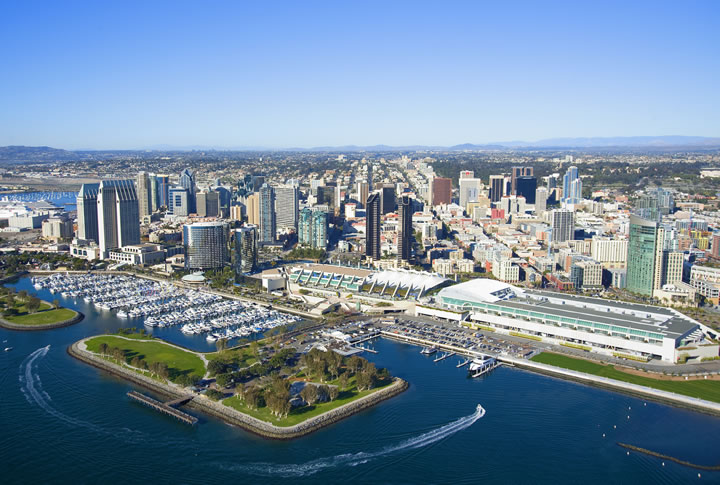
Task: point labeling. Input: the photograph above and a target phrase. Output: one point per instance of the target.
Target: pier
(168, 408)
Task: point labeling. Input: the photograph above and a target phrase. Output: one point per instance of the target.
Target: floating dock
(168, 408)
(444, 356)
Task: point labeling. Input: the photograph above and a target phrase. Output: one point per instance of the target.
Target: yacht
(428, 350)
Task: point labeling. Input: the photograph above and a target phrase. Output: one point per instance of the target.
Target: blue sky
(124, 74)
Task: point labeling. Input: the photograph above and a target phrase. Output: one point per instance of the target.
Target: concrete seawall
(637, 390)
(232, 416)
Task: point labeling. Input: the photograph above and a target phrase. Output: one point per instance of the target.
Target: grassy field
(179, 362)
(708, 390)
(299, 415)
(243, 357)
(44, 316)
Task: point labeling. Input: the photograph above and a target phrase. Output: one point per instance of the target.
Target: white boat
(122, 314)
(428, 350)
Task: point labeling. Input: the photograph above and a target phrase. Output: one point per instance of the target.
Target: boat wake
(354, 459)
(31, 386)
(35, 394)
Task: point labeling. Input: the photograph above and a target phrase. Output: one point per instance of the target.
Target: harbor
(160, 304)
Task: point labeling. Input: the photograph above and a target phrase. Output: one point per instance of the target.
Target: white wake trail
(35, 394)
(354, 459)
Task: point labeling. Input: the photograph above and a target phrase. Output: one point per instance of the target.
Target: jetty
(169, 408)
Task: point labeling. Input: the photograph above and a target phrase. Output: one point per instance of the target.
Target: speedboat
(428, 350)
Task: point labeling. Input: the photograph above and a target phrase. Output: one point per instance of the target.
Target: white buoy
(663, 463)
(628, 417)
(614, 426)
(628, 452)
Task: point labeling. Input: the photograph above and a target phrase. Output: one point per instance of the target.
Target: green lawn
(179, 362)
(242, 356)
(298, 415)
(44, 316)
(708, 390)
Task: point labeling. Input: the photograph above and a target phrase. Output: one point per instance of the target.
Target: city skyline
(402, 74)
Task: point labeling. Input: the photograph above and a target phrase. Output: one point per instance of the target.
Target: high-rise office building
(497, 187)
(205, 245)
(572, 186)
(144, 194)
(363, 190)
(326, 196)
(87, 212)
(372, 226)
(388, 200)
(246, 249)
(118, 215)
(563, 225)
(470, 190)
(253, 209)
(405, 228)
(518, 172)
(441, 191)
(268, 228)
(526, 186)
(286, 207)
(467, 174)
(208, 204)
(224, 200)
(541, 198)
(187, 181)
(178, 200)
(163, 191)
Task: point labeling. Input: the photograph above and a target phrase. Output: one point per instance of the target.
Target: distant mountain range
(15, 154)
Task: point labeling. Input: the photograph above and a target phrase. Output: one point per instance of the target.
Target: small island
(264, 387)
(24, 311)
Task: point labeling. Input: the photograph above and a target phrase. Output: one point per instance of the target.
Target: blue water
(60, 199)
(62, 421)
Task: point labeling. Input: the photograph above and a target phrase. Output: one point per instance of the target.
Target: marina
(162, 305)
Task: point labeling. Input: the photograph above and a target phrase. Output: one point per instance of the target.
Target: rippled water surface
(62, 421)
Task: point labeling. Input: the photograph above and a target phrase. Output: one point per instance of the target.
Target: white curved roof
(405, 278)
(481, 289)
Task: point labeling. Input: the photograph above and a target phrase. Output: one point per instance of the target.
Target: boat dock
(168, 408)
(463, 363)
(444, 356)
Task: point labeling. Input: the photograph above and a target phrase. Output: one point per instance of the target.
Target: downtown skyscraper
(286, 206)
(144, 194)
(268, 228)
(405, 229)
(372, 226)
(572, 186)
(118, 215)
(87, 213)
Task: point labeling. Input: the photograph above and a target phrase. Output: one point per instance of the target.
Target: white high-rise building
(286, 207)
(470, 190)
